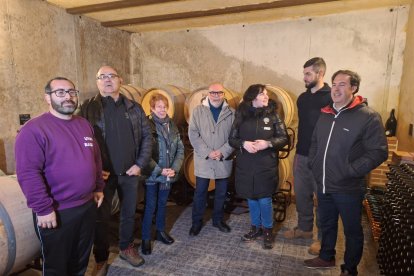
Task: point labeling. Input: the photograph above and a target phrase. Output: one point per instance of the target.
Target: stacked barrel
(396, 245)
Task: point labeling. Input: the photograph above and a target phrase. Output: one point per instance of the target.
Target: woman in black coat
(258, 133)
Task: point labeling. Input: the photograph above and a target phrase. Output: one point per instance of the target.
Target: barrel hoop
(11, 238)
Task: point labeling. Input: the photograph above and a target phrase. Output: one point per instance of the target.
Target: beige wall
(406, 105)
(39, 41)
(370, 42)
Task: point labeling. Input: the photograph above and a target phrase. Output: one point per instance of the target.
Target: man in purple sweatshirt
(59, 169)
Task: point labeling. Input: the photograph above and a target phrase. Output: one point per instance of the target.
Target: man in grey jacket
(208, 132)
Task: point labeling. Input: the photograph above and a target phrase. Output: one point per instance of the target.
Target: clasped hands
(255, 146)
(215, 155)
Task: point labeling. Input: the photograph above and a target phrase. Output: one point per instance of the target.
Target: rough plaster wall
(406, 110)
(370, 42)
(97, 46)
(37, 42)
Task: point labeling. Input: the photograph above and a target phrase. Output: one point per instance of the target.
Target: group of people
(69, 166)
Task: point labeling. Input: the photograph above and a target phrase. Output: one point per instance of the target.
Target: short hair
(317, 63)
(110, 66)
(355, 79)
(158, 97)
(48, 87)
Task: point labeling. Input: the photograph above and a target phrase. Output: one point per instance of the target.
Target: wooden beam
(115, 5)
(195, 14)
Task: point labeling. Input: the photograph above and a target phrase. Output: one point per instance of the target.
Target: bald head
(216, 94)
(216, 87)
(108, 81)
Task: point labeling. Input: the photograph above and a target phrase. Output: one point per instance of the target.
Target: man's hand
(47, 221)
(215, 155)
(105, 175)
(98, 197)
(134, 170)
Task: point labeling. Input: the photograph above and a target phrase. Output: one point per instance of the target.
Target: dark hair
(252, 92)
(355, 79)
(317, 63)
(48, 87)
(245, 107)
(158, 97)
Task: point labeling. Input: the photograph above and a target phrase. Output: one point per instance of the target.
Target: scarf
(162, 126)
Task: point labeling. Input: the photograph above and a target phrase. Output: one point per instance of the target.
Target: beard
(65, 110)
(311, 84)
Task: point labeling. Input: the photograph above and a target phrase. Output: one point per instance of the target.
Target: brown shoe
(315, 248)
(296, 233)
(100, 269)
(130, 254)
(319, 263)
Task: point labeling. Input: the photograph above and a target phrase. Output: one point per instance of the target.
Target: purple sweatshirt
(58, 163)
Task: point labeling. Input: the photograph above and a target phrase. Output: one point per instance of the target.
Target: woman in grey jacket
(167, 158)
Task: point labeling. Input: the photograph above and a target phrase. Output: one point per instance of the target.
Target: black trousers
(66, 249)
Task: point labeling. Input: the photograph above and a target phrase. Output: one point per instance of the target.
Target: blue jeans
(127, 192)
(261, 212)
(155, 198)
(349, 207)
(200, 200)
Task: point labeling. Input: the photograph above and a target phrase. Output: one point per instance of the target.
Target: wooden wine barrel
(132, 92)
(189, 172)
(286, 104)
(194, 99)
(19, 244)
(176, 100)
(285, 171)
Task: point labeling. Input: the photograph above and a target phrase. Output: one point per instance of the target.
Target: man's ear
(47, 98)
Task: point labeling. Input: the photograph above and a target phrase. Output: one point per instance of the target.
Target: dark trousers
(349, 207)
(155, 199)
(66, 249)
(126, 186)
(200, 199)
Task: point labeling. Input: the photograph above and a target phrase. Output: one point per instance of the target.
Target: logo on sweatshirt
(88, 142)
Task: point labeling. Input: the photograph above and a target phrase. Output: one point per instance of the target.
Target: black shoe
(268, 238)
(195, 230)
(164, 237)
(146, 247)
(254, 233)
(222, 226)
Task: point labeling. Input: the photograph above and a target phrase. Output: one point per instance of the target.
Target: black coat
(92, 110)
(257, 174)
(346, 146)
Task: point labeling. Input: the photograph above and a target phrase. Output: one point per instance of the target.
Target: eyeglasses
(106, 77)
(62, 92)
(216, 93)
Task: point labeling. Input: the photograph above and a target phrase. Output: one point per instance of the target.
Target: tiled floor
(216, 253)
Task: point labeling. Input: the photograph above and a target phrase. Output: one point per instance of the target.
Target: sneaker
(296, 233)
(130, 254)
(268, 238)
(100, 269)
(315, 248)
(319, 263)
(254, 233)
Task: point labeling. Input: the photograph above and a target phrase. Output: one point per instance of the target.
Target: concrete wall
(406, 105)
(370, 42)
(39, 41)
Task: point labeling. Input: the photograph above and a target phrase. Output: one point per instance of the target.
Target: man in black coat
(348, 142)
(125, 139)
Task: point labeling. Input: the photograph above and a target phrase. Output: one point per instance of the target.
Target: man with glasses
(59, 169)
(208, 132)
(125, 139)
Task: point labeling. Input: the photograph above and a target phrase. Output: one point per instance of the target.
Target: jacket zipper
(326, 150)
